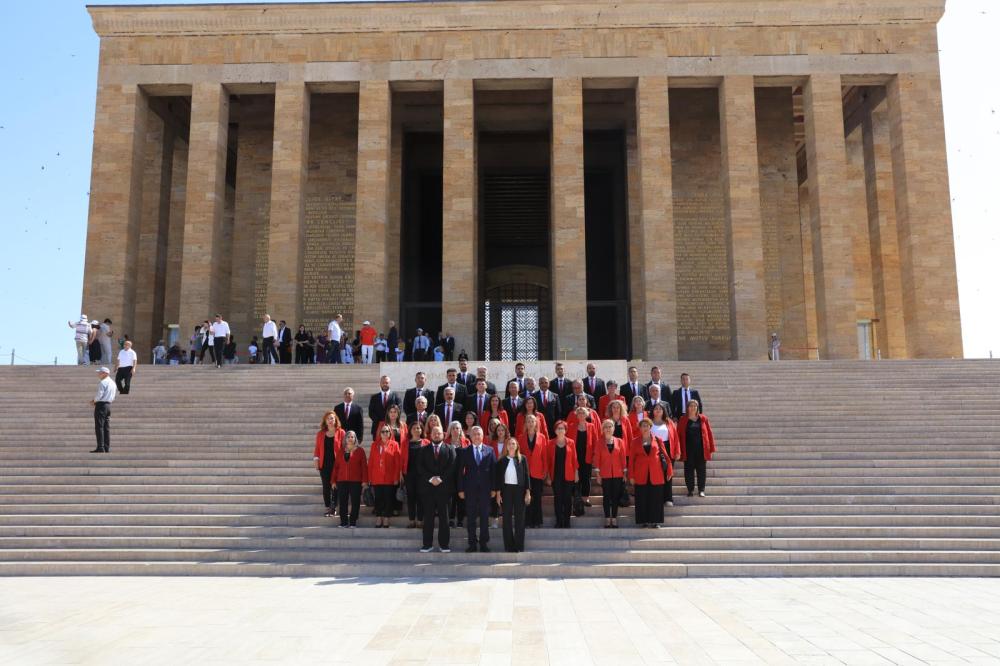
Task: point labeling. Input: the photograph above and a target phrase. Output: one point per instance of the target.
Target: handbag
(401, 493)
(624, 500)
(579, 508)
(368, 496)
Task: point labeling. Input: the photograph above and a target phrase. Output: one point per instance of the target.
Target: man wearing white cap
(367, 341)
(105, 395)
(81, 335)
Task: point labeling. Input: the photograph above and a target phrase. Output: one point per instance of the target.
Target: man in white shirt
(81, 335)
(220, 332)
(102, 410)
(125, 368)
(269, 335)
(335, 334)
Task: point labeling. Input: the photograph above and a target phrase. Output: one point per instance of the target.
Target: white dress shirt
(270, 330)
(106, 391)
(127, 358)
(335, 332)
(220, 329)
(510, 475)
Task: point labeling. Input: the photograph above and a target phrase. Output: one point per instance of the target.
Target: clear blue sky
(49, 52)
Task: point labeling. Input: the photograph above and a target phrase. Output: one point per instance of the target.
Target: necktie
(543, 398)
(437, 451)
(592, 385)
(385, 398)
(420, 417)
(448, 413)
(479, 455)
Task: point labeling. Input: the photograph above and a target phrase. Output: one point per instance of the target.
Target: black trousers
(333, 351)
(325, 478)
(123, 380)
(270, 353)
(585, 469)
(384, 496)
(436, 506)
(211, 351)
(220, 346)
(102, 425)
(612, 491)
(534, 512)
(414, 502)
(456, 508)
(302, 355)
(695, 464)
(284, 354)
(513, 517)
(648, 504)
(562, 495)
(477, 506)
(668, 491)
(349, 490)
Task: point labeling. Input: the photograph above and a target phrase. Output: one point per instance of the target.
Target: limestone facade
(784, 164)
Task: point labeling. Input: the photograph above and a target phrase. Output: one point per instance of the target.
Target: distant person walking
(105, 334)
(125, 368)
(220, 333)
(269, 333)
(367, 336)
(81, 336)
(102, 410)
(335, 333)
(775, 347)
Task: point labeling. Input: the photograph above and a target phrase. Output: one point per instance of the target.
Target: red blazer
(569, 474)
(593, 434)
(707, 439)
(384, 464)
(612, 464)
(403, 441)
(355, 470)
(338, 439)
(542, 428)
(502, 417)
(538, 464)
(627, 432)
(602, 404)
(645, 467)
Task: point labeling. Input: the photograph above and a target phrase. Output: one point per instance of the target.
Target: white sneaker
(701, 493)
(670, 503)
(426, 550)
(446, 550)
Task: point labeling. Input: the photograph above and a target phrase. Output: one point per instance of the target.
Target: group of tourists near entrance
(464, 455)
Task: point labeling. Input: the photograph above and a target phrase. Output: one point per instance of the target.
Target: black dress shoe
(98, 451)
(471, 549)
(484, 549)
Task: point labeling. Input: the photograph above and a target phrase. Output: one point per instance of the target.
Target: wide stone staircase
(823, 469)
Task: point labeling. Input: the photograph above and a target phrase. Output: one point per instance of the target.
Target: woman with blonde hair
(534, 446)
(328, 442)
(456, 437)
(512, 474)
(610, 470)
(649, 469)
(385, 473)
(350, 477)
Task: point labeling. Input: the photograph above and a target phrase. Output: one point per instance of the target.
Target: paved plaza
(408, 621)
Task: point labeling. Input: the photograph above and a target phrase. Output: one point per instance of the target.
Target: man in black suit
(655, 399)
(656, 378)
(561, 384)
(436, 469)
(512, 403)
(570, 401)
(420, 413)
(685, 394)
(284, 343)
(592, 384)
(479, 401)
(482, 372)
(633, 387)
(464, 377)
(380, 402)
(518, 378)
(350, 415)
(549, 403)
(411, 395)
(458, 387)
(449, 409)
(449, 346)
(475, 485)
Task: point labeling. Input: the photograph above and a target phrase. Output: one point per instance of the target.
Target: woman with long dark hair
(664, 428)
(329, 439)
(697, 444)
(563, 472)
(530, 408)
(512, 476)
(414, 503)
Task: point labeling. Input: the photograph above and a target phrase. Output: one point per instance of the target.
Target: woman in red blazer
(612, 394)
(666, 430)
(618, 413)
(637, 412)
(328, 442)
(648, 458)
(530, 406)
(494, 410)
(351, 476)
(385, 472)
(697, 446)
(610, 468)
(400, 432)
(584, 431)
(563, 472)
(534, 446)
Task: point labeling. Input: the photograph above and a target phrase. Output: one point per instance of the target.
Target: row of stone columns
(924, 279)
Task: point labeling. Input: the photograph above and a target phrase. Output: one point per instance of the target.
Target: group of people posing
(462, 455)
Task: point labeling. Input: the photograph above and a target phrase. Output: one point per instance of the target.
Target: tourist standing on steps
(105, 334)
(94, 345)
(335, 332)
(775, 347)
(367, 338)
(102, 410)
(125, 368)
(385, 473)
(437, 467)
(649, 467)
(563, 473)
(329, 440)
(284, 343)
(697, 446)
(350, 476)
(81, 336)
(220, 337)
(269, 333)
(610, 470)
(512, 482)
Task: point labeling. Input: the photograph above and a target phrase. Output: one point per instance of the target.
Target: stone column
(744, 236)
(656, 279)
(833, 258)
(923, 217)
(201, 275)
(286, 227)
(568, 237)
(109, 286)
(374, 118)
(459, 292)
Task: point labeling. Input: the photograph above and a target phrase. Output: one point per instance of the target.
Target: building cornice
(361, 17)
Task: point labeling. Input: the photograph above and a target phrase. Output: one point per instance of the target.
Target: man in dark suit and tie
(685, 394)
(476, 466)
(518, 379)
(420, 414)
(592, 384)
(449, 409)
(411, 395)
(562, 386)
(436, 470)
(549, 403)
(464, 377)
(512, 403)
(655, 399)
(284, 343)
(458, 387)
(570, 401)
(656, 378)
(380, 402)
(482, 372)
(350, 415)
(449, 346)
(479, 401)
(633, 387)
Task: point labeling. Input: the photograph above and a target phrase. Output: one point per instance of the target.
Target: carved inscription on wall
(328, 264)
(702, 277)
(260, 270)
